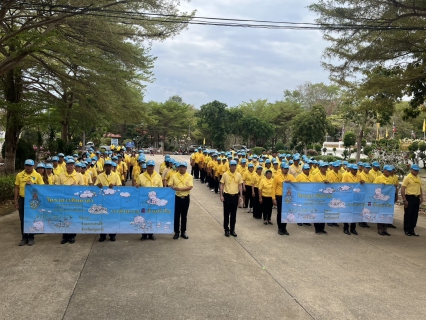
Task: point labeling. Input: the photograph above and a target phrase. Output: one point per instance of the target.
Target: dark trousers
(248, 199)
(129, 173)
(104, 234)
(203, 175)
(21, 204)
(319, 227)
(68, 236)
(230, 205)
(267, 208)
(192, 170)
(411, 213)
(181, 213)
(196, 171)
(346, 226)
(257, 208)
(216, 184)
(281, 226)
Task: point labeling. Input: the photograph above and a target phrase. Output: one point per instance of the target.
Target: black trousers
(230, 205)
(248, 199)
(319, 227)
(196, 171)
(21, 204)
(216, 184)
(129, 173)
(267, 208)
(203, 175)
(181, 213)
(346, 226)
(281, 226)
(257, 208)
(192, 170)
(68, 236)
(411, 213)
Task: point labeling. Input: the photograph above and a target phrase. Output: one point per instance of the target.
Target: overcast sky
(232, 65)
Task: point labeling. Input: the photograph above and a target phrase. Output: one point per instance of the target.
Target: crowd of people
(241, 179)
(256, 183)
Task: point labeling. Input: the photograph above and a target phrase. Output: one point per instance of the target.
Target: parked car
(105, 148)
(192, 147)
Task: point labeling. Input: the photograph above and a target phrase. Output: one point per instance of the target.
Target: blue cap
(306, 167)
(114, 164)
(29, 162)
(284, 165)
(391, 167)
(83, 165)
(78, 164)
(108, 163)
(259, 167)
(415, 167)
(233, 163)
(55, 158)
(261, 160)
(324, 164)
(150, 163)
(61, 155)
(387, 168)
(41, 165)
(288, 155)
(360, 163)
(70, 161)
(183, 164)
(119, 156)
(251, 165)
(367, 165)
(114, 158)
(345, 163)
(268, 161)
(275, 162)
(376, 164)
(98, 152)
(95, 158)
(49, 166)
(244, 161)
(296, 158)
(291, 162)
(144, 166)
(336, 164)
(354, 166)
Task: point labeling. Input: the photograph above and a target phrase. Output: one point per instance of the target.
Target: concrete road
(259, 274)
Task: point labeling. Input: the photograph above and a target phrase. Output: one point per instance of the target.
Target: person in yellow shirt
(182, 183)
(265, 196)
(351, 177)
(107, 179)
(166, 171)
(275, 170)
(304, 176)
(86, 175)
(57, 169)
(385, 178)
(49, 172)
(334, 176)
(365, 174)
(122, 169)
(164, 164)
(69, 178)
(150, 178)
(61, 161)
(314, 168)
(26, 177)
(114, 170)
(412, 197)
(198, 161)
(170, 173)
(256, 178)
(231, 191)
(247, 187)
(375, 172)
(137, 170)
(321, 176)
(295, 168)
(277, 194)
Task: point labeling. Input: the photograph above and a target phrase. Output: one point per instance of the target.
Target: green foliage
(214, 117)
(25, 151)
(257, 150)
(281, 151)
(349, 139)
(67, 148)
(279, 145)
(327, 158)
(7, 186)
(367, 150)
(317, 148)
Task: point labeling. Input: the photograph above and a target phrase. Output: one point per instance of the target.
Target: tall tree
(214, 116)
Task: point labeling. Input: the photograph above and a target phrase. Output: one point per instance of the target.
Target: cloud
(357, 190)
(109, 191)
(232, 65)
(98, 209)
(125, 194)
(87, 194)
(336, 203)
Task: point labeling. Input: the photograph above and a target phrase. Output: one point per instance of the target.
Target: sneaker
(23, 242)
(212, 190)
(31, 242)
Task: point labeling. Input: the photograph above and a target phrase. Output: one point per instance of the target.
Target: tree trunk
(359, 144)
(66, 115)
(14, 123)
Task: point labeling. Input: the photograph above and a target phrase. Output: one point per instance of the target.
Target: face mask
(93, 163)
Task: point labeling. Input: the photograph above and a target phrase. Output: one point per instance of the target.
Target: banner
(81, 209)
(337, 202)
(114, 142)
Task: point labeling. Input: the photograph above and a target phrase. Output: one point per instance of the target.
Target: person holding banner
(27, 176)
(265, 196)
(182, 183)
(321, 176)
(304, 177)
(69, 178)
(107, 179)
(150, 178)
(412, 195)
(385, 178)
(334, 176)
(231, 190)
(277, 195)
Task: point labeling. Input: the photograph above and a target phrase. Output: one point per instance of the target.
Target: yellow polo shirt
(256, 179)
(145, 180)
(182, 181)
(412, 185)
(277, 185)
(333, 177)
(231, 181)
(319, 177)
(59, 169)
(248, 178)
(349, 177)
(106, 180)
(265, 186)
(22, 178)
(65, 179)
(295, 171)
(383, 180)
(374, 174)
(303, 178)
(367, 177)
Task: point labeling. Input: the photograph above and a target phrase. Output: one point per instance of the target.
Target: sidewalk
(259, 274)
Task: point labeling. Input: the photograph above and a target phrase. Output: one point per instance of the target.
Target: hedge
(7, 186)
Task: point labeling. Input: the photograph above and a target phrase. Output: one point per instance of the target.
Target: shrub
(257, 150)
(279, 145)
(312, 152)
(7, 186)
(367, 150)
(317, 148)
(281, 151)
(24, 151)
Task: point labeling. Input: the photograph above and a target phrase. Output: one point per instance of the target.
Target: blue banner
(80, 209)
(337, 202)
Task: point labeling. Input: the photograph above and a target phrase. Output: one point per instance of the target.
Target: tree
(213, 116)
(376, 35)
(310, 127)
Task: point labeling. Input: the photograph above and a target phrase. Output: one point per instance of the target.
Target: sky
(235, 65)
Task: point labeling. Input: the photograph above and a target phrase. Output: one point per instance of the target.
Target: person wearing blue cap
(170, 173)
(150, 178)
(231, 192)
(295, 168)
(277, 195)
(321, 176)
(412, 197)
(69, 178)
(49, 173)
(27, 176)
(182, 183)
(375, 172)
(196, 162)
(57, 169)
(247, 187)
(304, 177)
(385, 178)
(257, 207)
(265, 196)
(61, 161)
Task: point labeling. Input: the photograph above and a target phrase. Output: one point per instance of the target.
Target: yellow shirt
(169, 175)
(248, 178)
(65, 179)
(319, 177)
(349, 177)
(333, 177)
(145, 180)
(277, 185)
(182, 181)
(59, 169)
(266, 187)
(121, 169)
(383, 180)
(374, 174)
(136, 171)
(94, 171)
(231, 181)
(412, 185)
(367, 177)
(162, 167)
(256, 179)
(51, 179)
(303, 178)
(22, 178)
(295, 171)
(198, 157)
(107, 180)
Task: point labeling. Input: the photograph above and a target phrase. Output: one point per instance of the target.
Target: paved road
(257, 275)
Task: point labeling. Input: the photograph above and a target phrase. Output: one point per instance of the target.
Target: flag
(378, 134)
(204, 142)
(393, 127)
(387, 134)
(424, 125)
